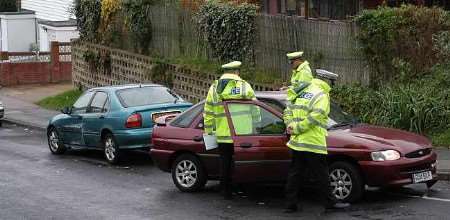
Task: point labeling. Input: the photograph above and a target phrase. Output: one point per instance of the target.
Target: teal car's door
(95, 119)
(72, 126)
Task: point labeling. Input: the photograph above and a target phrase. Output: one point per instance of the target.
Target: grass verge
(60, 101)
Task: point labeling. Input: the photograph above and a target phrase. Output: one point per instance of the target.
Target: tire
(188, 173)
(111, 149)
(346, 182)
(55, 143)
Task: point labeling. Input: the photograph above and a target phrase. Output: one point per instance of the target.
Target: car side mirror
(67, 110)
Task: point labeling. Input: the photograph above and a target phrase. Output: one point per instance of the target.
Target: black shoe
(338, 205)
(292, 209)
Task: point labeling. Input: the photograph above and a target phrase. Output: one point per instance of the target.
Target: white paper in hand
(210, 141)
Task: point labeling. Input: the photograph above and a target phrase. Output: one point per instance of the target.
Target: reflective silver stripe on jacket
(302, 107)
(224, 138)
(314, 99)
(240, 113)
(243, 90)
(214, 103)
(310, 146)
(320, 111)
(316, 123)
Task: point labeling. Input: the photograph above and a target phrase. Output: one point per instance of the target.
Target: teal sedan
(113, 119)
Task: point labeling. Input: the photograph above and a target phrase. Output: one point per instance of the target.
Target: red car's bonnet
(378, 138)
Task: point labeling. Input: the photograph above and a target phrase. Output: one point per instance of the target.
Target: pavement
(20, 109)
(34, 184)
(19, 103)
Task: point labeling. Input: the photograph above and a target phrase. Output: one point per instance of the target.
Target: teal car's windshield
(148, 95)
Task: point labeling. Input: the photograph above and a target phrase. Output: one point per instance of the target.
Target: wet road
(79, 185)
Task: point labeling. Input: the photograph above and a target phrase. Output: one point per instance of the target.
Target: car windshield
(148, 95)
(338, 117)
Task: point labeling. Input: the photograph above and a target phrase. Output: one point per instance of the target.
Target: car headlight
(385, 155)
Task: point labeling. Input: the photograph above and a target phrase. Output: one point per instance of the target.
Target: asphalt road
(79, 185)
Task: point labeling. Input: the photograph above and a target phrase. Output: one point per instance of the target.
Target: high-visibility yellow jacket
(307, 111)
(228, 87)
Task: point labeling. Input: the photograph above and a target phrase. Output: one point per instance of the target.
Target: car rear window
(186, 118)
(148, 95)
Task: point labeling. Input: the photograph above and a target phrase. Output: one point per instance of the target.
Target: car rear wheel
(188, 173)
(111, 149)
(54, 142)
(346, 182)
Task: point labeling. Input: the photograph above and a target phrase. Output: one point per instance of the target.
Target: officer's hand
(289, 130)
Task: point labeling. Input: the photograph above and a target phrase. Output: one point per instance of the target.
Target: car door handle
(246, 145)
(197, 138)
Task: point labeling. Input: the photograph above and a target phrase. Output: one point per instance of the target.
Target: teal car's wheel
(54, 142)
(111, 149)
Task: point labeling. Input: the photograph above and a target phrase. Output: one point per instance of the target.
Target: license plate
(422, 177)
(160, 114)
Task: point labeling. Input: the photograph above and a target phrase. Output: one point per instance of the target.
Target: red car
(359, 154)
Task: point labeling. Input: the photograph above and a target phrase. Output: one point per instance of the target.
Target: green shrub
(8, 6)
(229, 29)
(396, 38)
(421, 105)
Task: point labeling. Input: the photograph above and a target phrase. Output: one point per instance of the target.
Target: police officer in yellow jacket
(306, 118)
(230, 86)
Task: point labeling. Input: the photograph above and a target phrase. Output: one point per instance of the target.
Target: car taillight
(134, 121)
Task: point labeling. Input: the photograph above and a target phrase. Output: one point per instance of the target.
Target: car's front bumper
(134, 138)
(398, 172)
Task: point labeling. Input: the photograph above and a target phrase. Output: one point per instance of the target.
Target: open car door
(259, 135)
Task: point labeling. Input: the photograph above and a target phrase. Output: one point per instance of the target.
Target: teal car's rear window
(149, 95)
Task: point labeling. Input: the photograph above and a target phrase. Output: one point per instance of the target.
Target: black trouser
(226, 168)
(316, 164)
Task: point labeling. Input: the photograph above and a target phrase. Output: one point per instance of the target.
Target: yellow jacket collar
(230, 76)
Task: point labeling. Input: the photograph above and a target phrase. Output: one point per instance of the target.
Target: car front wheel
(188, 173)
(346, 182)
(54, 142)
(111, 149)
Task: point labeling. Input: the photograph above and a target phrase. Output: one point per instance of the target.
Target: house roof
(68, 23)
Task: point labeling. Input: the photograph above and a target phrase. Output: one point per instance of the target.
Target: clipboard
(210, 142)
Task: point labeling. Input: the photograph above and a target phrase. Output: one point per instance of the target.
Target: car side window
(98, 103)
(251, 119)
(81, 104)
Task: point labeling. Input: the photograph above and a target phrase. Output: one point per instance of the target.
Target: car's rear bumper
(162, 158)
(134, 138)
(399, 172)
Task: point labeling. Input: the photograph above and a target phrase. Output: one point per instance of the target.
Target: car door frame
(74, 126)
(95, 117)
(247, 160)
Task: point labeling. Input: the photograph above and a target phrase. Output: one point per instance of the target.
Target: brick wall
(126, 67)
(30, 72)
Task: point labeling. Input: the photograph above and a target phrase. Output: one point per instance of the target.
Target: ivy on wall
(138, 21)
(229, 29)
(88, 14)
